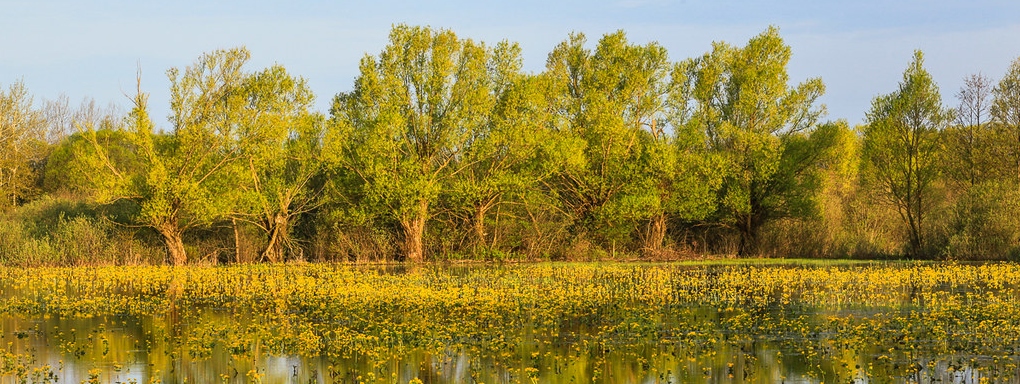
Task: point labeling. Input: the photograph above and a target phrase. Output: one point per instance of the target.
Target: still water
(792, 340)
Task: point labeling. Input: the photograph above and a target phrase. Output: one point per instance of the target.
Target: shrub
(984, 223)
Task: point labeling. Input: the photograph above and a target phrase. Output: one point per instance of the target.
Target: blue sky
(858, 48)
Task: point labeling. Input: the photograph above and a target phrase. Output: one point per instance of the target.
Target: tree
(186, 178)
(283, 159)
(613, 104)
(501, 160)
(679, 180)
(402, 129)
(1005, 110)
(75, 165)
(22, 145)
(901, 147)
(968, 141)
(750, 116)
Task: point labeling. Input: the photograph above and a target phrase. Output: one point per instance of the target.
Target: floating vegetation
(882, 322)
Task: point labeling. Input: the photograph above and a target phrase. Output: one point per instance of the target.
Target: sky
(859, 48)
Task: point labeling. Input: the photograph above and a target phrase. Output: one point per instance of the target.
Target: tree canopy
(446, 148)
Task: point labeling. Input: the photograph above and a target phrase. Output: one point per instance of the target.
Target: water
(838, 333)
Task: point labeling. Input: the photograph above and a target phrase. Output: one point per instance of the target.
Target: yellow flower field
(741, 322)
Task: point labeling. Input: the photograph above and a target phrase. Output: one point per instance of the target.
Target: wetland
(747, 321)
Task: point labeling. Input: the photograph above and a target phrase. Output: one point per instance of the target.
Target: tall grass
(61, 232)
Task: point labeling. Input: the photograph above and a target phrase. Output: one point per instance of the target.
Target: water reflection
(124, 349)
(790, 341)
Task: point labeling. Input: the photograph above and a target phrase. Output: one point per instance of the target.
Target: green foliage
(622, 164)
(22, 146)
(503, 158)
(223, 118)
(192, 176)
(446, 149)
(409, 119)
(840, 219)
(56, 231)
(759, 128)
(1005, 111)
(278, 164)
(18, 249)
(902, 143)
(984, 222)
(74, 165)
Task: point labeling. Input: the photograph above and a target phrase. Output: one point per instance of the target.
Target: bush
(984, 223)
(19, 249)
(55, 231)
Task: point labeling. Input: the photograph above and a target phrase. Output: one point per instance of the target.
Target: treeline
(446, 149)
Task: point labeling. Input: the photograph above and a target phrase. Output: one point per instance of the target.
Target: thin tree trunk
(920, 225)
(478, 224)
(916, 229)
(237, 241)
(495, 227)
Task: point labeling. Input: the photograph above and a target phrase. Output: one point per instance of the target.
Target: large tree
(618, 164)
(677, 182)
(741, 99)
(501, 160)
(402, 129)
(186, 178)
(278, 166)
(902, 141)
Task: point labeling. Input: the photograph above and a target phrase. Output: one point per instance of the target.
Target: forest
(445, 149)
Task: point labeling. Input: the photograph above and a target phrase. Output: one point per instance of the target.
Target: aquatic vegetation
(521, 323)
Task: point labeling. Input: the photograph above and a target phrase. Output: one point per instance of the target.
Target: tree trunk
(277, 236)
(916, 236)
(174, 240)
(748, 239)
(915, 242)
(655, 235)
(237, 241)
(478, 224)
(414, 229)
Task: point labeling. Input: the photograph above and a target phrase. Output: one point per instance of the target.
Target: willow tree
(678, 175)
(501, 159)
(740, 98)
(401, 130)
(185, 178)
(902, 141)
(281, 158)
(612, 103)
